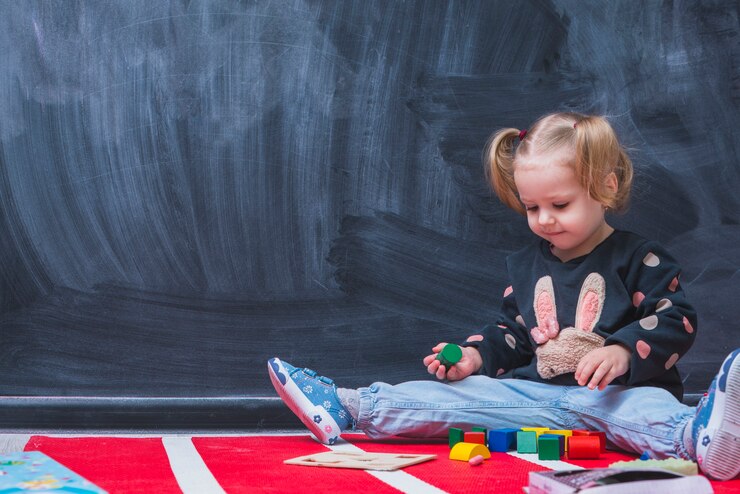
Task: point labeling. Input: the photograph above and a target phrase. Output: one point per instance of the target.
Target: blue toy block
(502, 440)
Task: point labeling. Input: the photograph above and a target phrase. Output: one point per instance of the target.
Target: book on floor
(617, 481)
(33, 471)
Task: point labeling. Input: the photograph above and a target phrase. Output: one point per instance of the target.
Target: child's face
(558, 208)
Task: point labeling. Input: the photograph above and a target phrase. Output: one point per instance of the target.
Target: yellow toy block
(467, 451)
(538, 430)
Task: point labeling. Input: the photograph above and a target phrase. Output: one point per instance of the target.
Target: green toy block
(549, 447)
(456, 436)
(450, 355)
(526, 442)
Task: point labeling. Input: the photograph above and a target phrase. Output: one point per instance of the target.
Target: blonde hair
(596, 154)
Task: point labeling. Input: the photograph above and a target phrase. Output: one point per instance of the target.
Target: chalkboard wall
(190, 188)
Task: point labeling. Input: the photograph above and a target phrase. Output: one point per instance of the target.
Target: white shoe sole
(722, 456)
(326, 428)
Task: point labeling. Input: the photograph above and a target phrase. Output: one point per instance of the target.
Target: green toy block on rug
(456, 436)
(526, 442)
(548, 447)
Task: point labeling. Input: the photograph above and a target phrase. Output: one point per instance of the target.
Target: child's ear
(612, 183)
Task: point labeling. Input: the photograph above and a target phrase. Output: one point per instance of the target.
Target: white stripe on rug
(399, 479)
(190, 470)
(551, 464)
(13, 443)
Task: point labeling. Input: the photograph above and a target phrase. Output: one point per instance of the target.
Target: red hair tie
(522, 134)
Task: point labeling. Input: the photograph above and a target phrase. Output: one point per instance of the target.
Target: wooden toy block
(351, 459)
(538, 430)
(602, 439)
(450, 355)
(580, 432)
(584, 447)
(526, 442)
(475, 437)
(467, 451)
(502, 440)
(564, 432)
(560, 439)
(455, 436)
(548, 447)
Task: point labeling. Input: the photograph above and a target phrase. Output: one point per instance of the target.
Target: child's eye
(561, 206)
(530, 208)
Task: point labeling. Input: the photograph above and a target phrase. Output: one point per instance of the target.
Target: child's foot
(312, 398)
(716, 428)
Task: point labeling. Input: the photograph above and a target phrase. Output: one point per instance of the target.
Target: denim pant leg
(634, 419)
(430, 408)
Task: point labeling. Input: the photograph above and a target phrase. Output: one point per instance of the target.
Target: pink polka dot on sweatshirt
(637, 298)
(499, 372)
(520, 320)
(501, 326)
(687, 325)
(674, 284)
(663, 305)
(671, 361)
(509, 290)
(475, 337)
(643, 349)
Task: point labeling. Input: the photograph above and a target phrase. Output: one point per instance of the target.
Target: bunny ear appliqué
(545, 311)
(590, 302)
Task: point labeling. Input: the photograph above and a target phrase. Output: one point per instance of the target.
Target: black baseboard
(143, 413)
(252, 414)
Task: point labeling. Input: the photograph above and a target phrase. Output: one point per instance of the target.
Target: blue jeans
(635, 419)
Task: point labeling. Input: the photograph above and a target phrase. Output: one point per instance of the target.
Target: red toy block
(475, 437)
(602, 439)
(584, 447)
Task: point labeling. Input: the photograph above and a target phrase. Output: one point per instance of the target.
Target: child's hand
(601, 366)
(470, 362)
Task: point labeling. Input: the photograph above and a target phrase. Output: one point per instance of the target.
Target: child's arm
(505, 345)
(663, 329)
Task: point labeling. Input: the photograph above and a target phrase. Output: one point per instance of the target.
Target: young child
(590, 328)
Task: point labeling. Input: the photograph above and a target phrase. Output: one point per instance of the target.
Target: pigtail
(598, 153)
(498, 159)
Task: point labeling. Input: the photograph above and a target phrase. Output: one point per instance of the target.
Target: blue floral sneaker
(716, 428)
(312, 398)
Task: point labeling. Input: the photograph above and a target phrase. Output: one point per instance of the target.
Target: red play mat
(235, 464)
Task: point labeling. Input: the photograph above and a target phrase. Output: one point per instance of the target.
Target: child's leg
(635, 419)
(418, 408)
(430, 408)
(716, 429)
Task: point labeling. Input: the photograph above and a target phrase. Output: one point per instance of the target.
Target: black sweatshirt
(644, 309)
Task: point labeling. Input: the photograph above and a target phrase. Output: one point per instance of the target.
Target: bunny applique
(559, 351)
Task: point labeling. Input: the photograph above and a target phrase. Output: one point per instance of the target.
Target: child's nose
(545, 217)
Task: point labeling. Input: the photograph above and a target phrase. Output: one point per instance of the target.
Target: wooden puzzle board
(363, 461)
